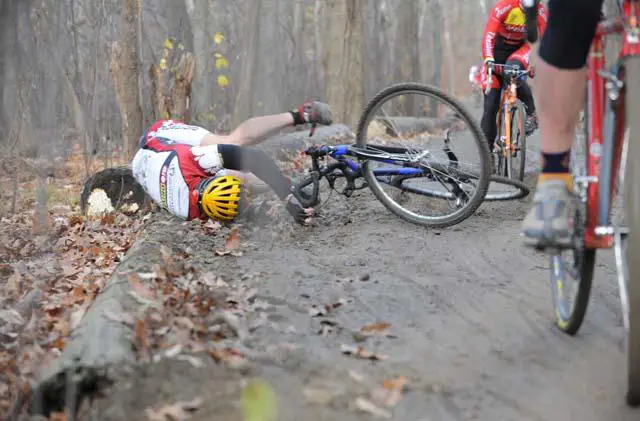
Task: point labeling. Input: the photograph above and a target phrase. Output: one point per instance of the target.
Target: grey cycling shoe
(550, 222)
(531, 124)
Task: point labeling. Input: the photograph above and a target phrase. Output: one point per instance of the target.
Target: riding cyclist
(194, 173)
(563, 53)
(505, 42)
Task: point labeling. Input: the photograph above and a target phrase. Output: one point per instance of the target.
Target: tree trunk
(200, 15)
(125, 68)
(343, 61)
(244, 98)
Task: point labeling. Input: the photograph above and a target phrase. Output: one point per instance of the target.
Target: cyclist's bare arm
(252, 131)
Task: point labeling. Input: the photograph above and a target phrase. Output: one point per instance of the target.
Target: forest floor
(359, 316)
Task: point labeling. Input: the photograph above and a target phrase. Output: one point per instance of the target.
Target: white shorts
(178, 132)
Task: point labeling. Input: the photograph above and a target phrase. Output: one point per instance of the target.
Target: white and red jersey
(170, 163)
(506, 24)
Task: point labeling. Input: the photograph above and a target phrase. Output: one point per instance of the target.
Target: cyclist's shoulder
(502, 8)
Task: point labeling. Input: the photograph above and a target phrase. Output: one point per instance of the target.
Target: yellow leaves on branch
(221, 61)
(218, 38)
(223, 82)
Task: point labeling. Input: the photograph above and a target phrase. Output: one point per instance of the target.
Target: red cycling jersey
(507, 24)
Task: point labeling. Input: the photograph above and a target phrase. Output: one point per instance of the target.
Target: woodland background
(96, 72)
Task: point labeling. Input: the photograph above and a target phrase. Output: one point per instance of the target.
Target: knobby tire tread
(586, 270)
(483, 184)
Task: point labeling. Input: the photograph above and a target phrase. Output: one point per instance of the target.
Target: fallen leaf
(13, 285)
(318, 396)
(375, 328)
(12, 317)
(143, 291)
(77, 315)
(356, 376)
(391, 391)
(142, 339)
(124, 318)
(232, 243)
(259, 401)
(367, 406)
(360, 352)
(178, 411)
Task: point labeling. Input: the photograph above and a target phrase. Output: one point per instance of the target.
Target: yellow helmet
(220, 197)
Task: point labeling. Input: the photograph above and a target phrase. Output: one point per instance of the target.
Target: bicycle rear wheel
(572, 270)
(431, 122)
(632, 208)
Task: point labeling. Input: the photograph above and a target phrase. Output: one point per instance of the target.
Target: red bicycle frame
(603, 105)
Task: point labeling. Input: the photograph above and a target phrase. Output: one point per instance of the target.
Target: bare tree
(125, 67)
(342, 60)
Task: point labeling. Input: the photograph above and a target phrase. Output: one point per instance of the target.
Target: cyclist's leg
(490, 107)
(561, 77)
(257, 162)
(521, 59)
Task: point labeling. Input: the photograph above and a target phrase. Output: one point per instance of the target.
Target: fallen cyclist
(196, 174)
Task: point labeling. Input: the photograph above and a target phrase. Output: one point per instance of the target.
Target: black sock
(240, 158)
(555, 162)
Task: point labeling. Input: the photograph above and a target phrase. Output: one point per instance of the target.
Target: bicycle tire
(518, 132)
(571, 323)
(523, 189)
(632, 204)
(478, 136)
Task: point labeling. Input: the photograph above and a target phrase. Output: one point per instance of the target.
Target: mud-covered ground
(470, 320)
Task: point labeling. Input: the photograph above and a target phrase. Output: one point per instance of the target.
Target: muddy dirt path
(469, 307)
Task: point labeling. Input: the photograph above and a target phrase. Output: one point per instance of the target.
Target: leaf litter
(51, 274)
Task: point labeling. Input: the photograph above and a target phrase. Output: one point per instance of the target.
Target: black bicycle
(412, 169)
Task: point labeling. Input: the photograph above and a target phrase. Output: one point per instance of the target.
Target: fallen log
(101, 342)
(279, 145)
(120, 187)
(407, 126)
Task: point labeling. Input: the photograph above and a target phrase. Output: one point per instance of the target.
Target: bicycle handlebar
(506, 70)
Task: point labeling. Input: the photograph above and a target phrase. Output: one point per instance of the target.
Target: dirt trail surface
(469, 311)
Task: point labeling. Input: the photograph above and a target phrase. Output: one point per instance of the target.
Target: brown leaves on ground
(360, 352)
(383, 397)
(184, 312)
(232, 244)
(178, 411)
(51, 278)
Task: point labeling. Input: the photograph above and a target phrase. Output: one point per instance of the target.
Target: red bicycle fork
(605, 125)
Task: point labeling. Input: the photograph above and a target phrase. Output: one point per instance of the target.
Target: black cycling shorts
(571, 27)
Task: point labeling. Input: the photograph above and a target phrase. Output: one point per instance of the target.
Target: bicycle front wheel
(443, 147)
(517, 156)
(632, 214)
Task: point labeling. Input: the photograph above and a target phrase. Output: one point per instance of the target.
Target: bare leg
(251, 131)
(559, 104)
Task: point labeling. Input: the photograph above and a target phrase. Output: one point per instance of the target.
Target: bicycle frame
(606, 122)
(508, 99)
(351, 170)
